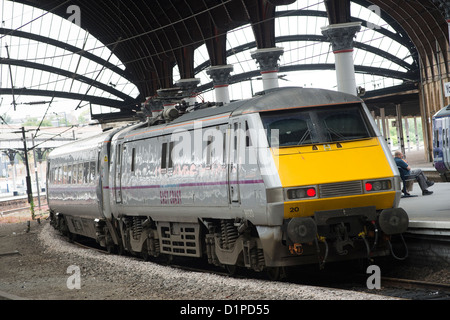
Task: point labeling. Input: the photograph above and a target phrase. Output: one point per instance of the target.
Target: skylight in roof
(38, 60)
(309, 51)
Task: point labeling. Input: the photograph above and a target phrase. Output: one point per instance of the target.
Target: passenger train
(289, 177)
(441, 147)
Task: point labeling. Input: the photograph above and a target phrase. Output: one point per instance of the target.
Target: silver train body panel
(205, 177)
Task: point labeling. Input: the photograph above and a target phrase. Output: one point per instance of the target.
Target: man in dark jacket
(406, 174)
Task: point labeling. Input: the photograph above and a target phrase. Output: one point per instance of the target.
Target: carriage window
(224, 150)
(209, 152)
(75, 173)
(69, 174)
(164, 156)
(133, 159)
(171, 144)
(437, 138)
(80, 172)
(86, 172)
(446, 137)
(248, 141)
(99, 162)
(59, 174)
(313, 125)
(235, 141)
(64, 174)
(92, 171)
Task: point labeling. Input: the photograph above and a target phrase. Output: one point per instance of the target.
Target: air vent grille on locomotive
(340, 189)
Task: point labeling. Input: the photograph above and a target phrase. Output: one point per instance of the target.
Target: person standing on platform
(406, 173)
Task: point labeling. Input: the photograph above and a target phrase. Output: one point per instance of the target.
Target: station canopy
(109, 56)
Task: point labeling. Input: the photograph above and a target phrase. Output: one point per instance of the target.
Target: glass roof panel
(298, 52)
(24, 18)
(240, 36)
(304, 5)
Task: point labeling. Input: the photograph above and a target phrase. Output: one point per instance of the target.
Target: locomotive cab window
(313, 125)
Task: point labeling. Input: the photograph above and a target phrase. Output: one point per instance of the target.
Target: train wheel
(111, 248)
(144, 253)
(275, 273)
(120, 249)
(232, 269)
(63, 227)
(72, 237)
(167, 259)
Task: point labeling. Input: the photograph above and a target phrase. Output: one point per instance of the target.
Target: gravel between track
(40, 272)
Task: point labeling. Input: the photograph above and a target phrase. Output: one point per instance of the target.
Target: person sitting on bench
(407, 174)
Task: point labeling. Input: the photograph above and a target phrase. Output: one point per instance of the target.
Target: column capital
(188, 84)
(220, 75)
(341, 35)
(267, 58)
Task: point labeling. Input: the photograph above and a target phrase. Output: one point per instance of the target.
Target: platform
(429, 212)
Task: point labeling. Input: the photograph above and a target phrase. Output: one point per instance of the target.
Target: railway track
(9, 211)
(390, 286)
(14, 210)
(416, 289)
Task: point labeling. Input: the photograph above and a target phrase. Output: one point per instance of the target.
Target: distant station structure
(397, 50)
(12, 148)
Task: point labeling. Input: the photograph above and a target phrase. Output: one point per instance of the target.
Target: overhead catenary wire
(43, 117)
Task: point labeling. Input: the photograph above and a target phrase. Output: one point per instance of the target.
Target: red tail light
(311, 192)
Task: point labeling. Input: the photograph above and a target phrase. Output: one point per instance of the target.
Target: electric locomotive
(291, 176)
(441, 147)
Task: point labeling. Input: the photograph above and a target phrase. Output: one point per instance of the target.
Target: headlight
(378, 185)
